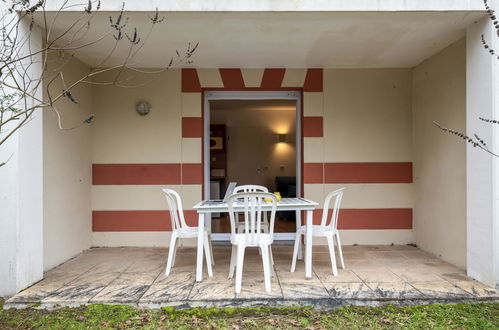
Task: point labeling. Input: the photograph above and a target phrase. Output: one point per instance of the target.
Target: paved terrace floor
(374, 275)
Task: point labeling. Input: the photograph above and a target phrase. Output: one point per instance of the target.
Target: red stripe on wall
(313, 172)
(313, 81)
(159, 220)
(272, 78)
(313, 127)
(192, 173)
(135, 174)
(137, 220)
(190, 81)
(232, 78)
(192, 127)
(371, 218)
(368, 173)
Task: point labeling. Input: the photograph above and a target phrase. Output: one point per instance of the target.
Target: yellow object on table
(277, 195)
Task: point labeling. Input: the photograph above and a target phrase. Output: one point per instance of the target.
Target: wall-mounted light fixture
(143, 108)
(282, 137)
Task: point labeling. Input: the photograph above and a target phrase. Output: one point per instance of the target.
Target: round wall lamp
(143, 108)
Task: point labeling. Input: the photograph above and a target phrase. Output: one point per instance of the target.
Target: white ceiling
(281, 39)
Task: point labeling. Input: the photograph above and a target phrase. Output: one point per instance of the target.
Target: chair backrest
(251, 205)
(176, 210)
(334, 198)
(250, 188)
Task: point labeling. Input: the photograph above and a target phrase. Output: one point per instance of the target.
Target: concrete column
(482, 91)
(21, 198)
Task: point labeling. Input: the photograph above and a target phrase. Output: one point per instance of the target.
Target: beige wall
(439, 93)
(367, 118)
(121, 135)
(252, 143)
(67, 173)
(367, 115)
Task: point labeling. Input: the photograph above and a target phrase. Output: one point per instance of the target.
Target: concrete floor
(374, 275)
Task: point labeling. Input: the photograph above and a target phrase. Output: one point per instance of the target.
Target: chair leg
(298, 225)
(271, 261)
(266, 265)
(233, 258)
(330, 243)
(239, 267)
(211, 251)
(207, 254)
(175, 248)
(342, 262)
(295, 251)
(171, 253)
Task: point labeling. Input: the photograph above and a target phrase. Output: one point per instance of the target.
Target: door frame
(251, 95)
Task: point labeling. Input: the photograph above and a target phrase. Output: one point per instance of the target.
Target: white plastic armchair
(328, 229)
(251, 203)
(251, 188)
(180, 229)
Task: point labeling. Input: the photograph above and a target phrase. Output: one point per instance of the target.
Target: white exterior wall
(67, 225)
(439, 94)
(482, 72)
(21, 196)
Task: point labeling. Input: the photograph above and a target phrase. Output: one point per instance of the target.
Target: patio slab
(374, 276)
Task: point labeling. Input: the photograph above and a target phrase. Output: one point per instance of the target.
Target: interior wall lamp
(282, 137)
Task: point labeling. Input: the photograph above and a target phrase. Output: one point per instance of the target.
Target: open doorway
(253, 139)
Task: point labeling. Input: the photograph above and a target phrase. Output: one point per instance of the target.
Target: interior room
(253, 142)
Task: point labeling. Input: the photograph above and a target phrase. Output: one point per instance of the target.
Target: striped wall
(126, 198)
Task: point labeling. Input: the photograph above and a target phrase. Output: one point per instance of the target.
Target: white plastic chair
(327, 229)
(180, 229)
(252, 235)
(251, 188)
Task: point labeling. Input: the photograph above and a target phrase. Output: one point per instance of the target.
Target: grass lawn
(468, 316)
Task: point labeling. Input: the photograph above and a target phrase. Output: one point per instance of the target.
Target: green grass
(459, 316)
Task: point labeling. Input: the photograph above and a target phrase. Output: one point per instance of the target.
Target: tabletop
(285, 204)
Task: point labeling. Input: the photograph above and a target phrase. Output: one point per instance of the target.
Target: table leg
(199, 263)
(308, 245)
(298, 225)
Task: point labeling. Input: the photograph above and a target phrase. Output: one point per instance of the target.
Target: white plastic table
(286, 204)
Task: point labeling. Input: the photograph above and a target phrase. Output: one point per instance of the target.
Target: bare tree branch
(20, 85)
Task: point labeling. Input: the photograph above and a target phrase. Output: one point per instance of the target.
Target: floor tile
(306, 289)
(403, 248)
(395, 290)
(218, 287)
(381, 275)
(440, 267)
(175, 287)
(440, 290)
(253, 287)
(34, 294)
(81, 290)
(120, 293)
(343, 276)
(420, 274)
(350, 291)
(477, 289)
